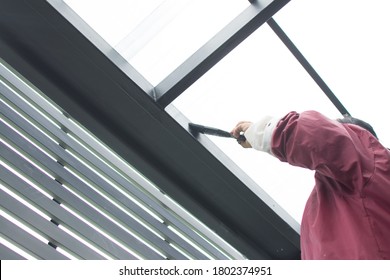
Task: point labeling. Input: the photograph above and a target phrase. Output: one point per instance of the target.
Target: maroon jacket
(347, 215)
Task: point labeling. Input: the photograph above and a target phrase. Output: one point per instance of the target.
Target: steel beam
(217, 48)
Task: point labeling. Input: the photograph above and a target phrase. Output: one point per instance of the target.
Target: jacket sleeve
(335, 150)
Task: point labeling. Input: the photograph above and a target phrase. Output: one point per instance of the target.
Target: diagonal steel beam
(305, 64)
(215, 49)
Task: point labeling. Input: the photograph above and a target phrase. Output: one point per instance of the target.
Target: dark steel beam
(217, 48)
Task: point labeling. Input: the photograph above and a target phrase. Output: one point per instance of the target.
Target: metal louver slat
(29, 242)
(8, 254)
(46, 228)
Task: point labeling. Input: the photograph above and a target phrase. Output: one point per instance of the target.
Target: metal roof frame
(92, 83)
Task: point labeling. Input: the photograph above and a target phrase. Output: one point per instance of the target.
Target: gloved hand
(240, 129)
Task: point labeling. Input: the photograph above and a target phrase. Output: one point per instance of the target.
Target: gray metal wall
(63, 194)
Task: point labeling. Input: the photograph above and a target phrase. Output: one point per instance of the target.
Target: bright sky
(346, 41)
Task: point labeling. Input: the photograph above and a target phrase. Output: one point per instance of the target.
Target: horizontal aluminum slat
(28, 242)
(7, 254)
(60, 215)
(46, 228)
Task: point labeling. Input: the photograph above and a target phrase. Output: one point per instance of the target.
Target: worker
(347, 215)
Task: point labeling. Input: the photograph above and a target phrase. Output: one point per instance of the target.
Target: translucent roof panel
(259, 77)
(157, 36)
(347, 43)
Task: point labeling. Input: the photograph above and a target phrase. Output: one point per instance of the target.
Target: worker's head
(355, 121)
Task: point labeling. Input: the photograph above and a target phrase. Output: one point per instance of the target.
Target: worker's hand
(240, 129)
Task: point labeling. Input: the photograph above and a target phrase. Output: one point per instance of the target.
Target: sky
(346, 41)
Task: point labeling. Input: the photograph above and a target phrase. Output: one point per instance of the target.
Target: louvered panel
(28, 242)
(112, 173)
(57, 213)
(61, 174)
(81, 170)
(48, 229)
(93, 195)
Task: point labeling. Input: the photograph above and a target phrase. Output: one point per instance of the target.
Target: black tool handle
(241, 138)
(214, 131)
(209, 130)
